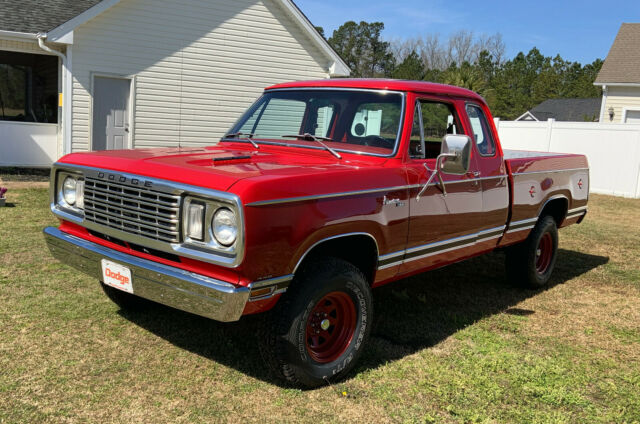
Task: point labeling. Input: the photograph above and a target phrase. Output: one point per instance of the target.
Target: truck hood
(217, 167)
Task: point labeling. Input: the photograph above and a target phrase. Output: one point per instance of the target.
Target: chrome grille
(134, 210)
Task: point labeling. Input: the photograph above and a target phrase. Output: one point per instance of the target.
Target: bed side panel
(540, 178)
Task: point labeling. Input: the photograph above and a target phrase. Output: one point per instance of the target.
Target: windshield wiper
(317, 139)
(243, 136)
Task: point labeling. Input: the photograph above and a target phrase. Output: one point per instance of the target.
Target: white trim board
(520, 118)
(618, 84)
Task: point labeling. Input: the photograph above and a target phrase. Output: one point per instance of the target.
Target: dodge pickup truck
(321, 192)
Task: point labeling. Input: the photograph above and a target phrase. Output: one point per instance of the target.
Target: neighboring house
(79, 75)
(620, 78)
(574, 110)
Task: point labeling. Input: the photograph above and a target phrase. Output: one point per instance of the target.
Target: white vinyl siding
(197, 64)
(619, 98)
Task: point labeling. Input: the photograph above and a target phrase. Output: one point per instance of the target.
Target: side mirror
(456, 153)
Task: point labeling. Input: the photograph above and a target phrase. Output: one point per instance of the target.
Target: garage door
(633, 117)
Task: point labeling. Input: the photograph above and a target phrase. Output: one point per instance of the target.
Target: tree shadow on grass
(410, 315)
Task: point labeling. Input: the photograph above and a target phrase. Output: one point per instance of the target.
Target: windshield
(349, 121)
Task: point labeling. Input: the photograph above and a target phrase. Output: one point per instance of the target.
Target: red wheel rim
(544, 252)
(330, 327)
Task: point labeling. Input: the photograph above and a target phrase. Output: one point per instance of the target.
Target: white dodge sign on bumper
(116, 275)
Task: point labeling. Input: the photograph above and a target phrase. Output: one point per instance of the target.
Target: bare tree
(401, 48)
(462, 46)
(497, 48)
(432, 53)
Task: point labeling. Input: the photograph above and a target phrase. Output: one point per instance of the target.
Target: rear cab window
(482, 134)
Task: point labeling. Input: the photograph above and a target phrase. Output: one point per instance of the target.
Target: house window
(28, 87)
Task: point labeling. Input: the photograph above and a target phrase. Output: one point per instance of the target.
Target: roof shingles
(571, 110)
(623, 61)
(33, 16)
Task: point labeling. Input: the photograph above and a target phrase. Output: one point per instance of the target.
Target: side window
(438, 120)
(416, 145)
(481, 131)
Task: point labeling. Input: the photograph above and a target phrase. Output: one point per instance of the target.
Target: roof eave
(617, 84)
(18, 35)
(62, 33)
(338, 68)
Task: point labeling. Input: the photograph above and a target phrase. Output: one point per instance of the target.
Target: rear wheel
(530, 263)
(318, 329)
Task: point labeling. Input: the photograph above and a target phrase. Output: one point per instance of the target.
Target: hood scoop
(224, 160)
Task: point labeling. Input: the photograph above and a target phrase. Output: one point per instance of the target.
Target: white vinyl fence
(613, 150)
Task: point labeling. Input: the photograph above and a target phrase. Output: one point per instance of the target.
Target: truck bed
(539, 177)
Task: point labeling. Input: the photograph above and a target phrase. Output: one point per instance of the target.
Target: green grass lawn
(455, 345)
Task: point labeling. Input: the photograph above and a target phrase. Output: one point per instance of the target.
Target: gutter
(15, 34)
(41, 37)
(66, 112)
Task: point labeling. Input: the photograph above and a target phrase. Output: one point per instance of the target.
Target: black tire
(126, 301)
(288, 343)
(530, 263)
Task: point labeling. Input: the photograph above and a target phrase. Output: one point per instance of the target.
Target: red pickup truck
(320, 192)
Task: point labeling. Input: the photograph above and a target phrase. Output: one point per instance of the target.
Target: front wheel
(318, 329)
(531, 262)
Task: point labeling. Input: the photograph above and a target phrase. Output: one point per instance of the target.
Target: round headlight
(225, 228)
(69, 187)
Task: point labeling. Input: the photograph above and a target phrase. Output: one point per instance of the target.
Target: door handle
(126, 128)
(474, 175)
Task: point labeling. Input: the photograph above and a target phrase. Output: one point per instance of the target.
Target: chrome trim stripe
(549, 172)
(333, 238)
(492, 230)
(327, 196)
(271, 282)
(580, 209)
(278, 285)
(175, 287)
(522, 222)
(437, 252)
(515, 230)
(576, 215)
(441, 243)
(361, 192)
(443, 246)
(391, 255)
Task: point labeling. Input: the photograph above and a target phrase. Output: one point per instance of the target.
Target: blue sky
(578, 30)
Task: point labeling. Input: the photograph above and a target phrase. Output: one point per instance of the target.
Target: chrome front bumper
(160, 283)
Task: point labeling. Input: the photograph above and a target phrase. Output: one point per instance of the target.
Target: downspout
(66, 145)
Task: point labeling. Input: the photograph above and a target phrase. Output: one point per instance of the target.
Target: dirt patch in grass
(454, 345)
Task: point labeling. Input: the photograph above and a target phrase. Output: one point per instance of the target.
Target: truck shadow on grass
(410, 315)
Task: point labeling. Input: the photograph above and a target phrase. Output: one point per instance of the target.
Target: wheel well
(557, 209)
(359, 250)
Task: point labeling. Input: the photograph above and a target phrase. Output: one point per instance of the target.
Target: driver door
(442, 228)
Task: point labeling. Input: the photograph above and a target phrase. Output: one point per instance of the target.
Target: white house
(81, 75)
(620, 78)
